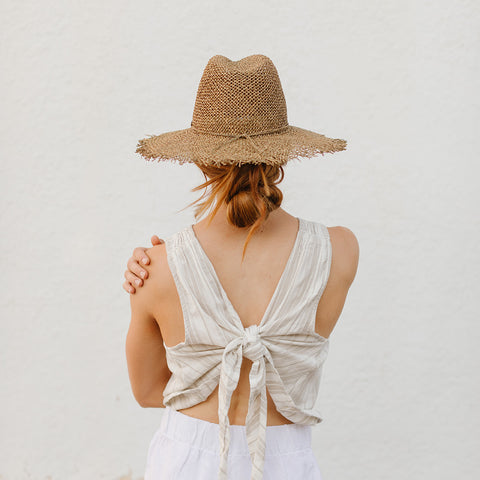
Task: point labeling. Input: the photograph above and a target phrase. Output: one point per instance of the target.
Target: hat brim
(188, 146)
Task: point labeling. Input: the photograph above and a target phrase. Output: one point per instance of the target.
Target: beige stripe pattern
(287, 354)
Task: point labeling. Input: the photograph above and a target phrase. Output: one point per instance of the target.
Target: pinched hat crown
(243, 96)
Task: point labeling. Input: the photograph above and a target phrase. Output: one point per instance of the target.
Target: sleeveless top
(286, 352)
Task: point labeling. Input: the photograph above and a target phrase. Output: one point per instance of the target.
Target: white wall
(81, 82)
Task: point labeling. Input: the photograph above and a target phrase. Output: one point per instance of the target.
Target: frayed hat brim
(188, 146)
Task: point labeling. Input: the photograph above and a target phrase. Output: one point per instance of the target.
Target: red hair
(250, 192)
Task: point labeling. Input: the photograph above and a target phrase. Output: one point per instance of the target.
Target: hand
(135, 273)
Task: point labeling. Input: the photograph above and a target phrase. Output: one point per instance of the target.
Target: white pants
(187, 448)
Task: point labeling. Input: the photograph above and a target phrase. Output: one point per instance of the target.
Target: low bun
(249, 191)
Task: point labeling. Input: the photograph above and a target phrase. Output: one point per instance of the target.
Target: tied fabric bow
(249, 345)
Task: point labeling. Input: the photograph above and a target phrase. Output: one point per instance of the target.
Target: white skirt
(187, 448)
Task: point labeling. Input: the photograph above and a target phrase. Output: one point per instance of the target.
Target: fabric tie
(247, 136)
(236, 137)
(249, 345)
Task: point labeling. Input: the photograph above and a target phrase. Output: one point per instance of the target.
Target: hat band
(247, 136)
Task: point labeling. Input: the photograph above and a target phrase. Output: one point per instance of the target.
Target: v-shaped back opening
(225, 297)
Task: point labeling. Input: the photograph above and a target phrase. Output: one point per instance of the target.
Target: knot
(253, 348)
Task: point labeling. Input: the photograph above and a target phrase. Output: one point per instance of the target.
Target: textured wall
(81, 82)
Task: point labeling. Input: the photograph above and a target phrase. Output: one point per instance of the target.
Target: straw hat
(240, 116)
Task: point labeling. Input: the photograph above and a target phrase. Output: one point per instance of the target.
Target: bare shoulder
(158, 269)
(159, 281)
(345, 252)
(157, 252)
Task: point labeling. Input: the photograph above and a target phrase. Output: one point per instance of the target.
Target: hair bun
(249, 191)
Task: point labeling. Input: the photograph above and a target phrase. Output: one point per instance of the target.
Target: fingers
(132, 279)
(127, 287)
(135, 271)
(140, 255)
(135, 274)
(156, 241)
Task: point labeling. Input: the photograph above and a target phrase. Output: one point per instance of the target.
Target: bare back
(249, 286)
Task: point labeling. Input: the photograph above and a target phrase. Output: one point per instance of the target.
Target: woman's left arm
(146, 356)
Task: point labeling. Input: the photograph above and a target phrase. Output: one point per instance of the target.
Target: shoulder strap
(177, 260)
(296, 309)
(323, 259)
(199, 296)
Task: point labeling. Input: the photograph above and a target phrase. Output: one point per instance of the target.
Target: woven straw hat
(240, 116)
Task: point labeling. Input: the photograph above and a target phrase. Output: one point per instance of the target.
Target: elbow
(150, 398)
(150, 404)
(143, 401)
(154, 400)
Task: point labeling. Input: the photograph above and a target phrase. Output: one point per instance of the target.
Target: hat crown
(239, 97)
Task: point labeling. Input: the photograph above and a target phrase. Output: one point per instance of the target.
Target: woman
(230, 340)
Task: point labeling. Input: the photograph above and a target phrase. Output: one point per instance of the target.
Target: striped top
(287, 354)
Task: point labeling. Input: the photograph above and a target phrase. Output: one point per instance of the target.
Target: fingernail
(138, 282)
(142, 273)
(145, 260)
(131, 290)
